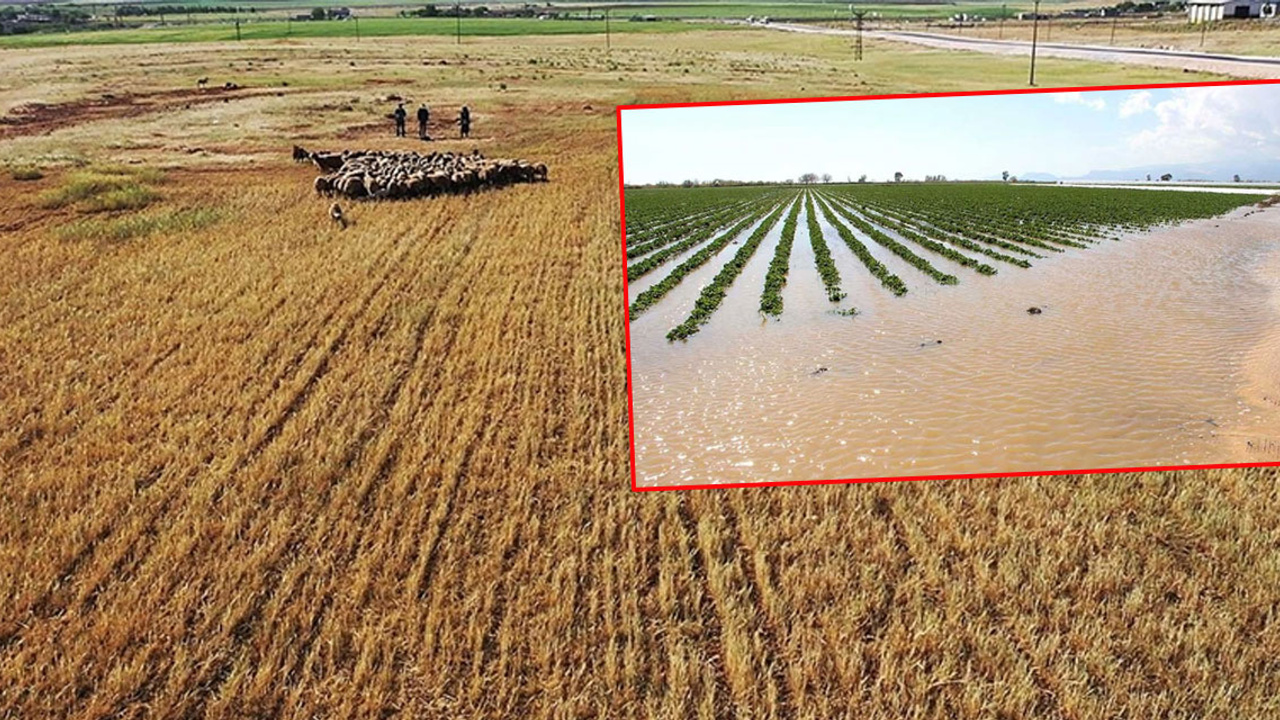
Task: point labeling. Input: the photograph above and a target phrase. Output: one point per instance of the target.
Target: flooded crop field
(948, 330)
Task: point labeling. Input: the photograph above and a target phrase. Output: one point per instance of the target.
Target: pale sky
(1066, 134)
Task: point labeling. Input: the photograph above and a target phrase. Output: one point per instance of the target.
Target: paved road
(1250, 66)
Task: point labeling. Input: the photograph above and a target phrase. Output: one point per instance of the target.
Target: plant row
(642, 267)
(671, 229)
(822, 255)
(896, 247)
(892, 282)
(967, 229)
(922, 241)
(653, 294)
(771, 298)
(705, 223)
(899, 222)
(713, 294)
(651, 209)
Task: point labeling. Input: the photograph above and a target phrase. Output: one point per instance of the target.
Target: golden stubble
(267, 467)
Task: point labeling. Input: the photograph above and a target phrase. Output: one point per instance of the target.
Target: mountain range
(1260, 170)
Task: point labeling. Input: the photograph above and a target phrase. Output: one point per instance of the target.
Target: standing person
(400, 115)
(423, 116)
(464, 120)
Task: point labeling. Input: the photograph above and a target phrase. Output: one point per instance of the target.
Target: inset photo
(953, 286)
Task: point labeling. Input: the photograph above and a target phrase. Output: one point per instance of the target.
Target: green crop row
(922, 241)
(771, 298)
(899, 222)
(970, 230)
(878, 270)
(896, 247)
(669, 227)
(713, 294)
(642, 267)
(703, 227)
(822, 255)
(1066, 215)
(655, 293)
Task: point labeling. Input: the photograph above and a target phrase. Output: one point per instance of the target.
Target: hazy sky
(1066, 134)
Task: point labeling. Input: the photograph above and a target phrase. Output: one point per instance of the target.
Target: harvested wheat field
(258, 465)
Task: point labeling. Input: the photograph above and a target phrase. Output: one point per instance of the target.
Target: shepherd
(464, 121)
(423, 116)
(400, 115)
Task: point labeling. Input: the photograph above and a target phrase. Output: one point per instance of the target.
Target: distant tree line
(147, 10)
(525, 11)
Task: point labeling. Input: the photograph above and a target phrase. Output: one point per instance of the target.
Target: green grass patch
(25, 173)
(104, 189)
(129, 197)
(117, 230)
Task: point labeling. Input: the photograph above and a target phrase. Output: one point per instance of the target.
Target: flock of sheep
(383, 174)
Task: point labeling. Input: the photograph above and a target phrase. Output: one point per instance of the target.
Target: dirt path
(1233, 65)
(42, 118)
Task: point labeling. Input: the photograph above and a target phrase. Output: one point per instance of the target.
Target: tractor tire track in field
(250, 622)
(712, 634)
(422, 582)
(767, 627)
(1048, 687)
(872, 626)
(389, 401)
(300, 396)
(385, 464)
(243, 630)
(46, 606)
(489, 644)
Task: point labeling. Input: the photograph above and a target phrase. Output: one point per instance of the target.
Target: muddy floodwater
(1157, 349)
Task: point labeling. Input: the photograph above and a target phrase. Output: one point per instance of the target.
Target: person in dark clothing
(464, 121)
(400, 115)
(423, 116)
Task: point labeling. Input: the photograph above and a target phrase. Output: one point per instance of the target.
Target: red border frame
(622, 203)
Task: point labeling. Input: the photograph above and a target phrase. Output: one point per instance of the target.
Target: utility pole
(1204, 28)
(1035, 27)
(237, 29)
(1004, 11)
(857, 47)
(608, 42)
(357, 21)
(1114, 19)
(457, 16)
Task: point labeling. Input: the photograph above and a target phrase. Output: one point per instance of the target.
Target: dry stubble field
(255, 466)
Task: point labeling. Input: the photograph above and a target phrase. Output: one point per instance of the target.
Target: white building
(1211, 10)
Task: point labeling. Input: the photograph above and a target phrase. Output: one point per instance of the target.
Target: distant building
(1210, 10)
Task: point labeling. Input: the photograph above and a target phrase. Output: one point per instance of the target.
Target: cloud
(1135, 104)
(1075, 98)
(1214, 123)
